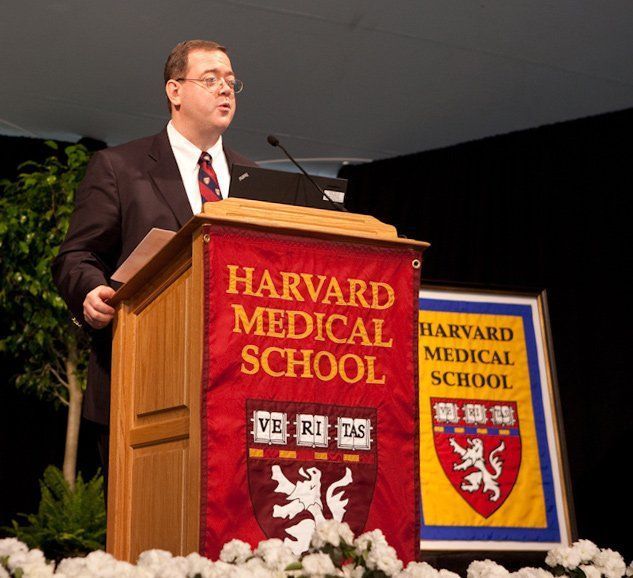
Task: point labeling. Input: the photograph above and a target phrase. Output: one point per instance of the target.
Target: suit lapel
(166, 177)
(228, 153)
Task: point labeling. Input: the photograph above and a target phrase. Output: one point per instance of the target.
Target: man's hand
(97, 312)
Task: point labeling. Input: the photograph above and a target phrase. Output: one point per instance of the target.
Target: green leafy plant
(50, 351)
(69, 522)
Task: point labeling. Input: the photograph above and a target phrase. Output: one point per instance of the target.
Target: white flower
(243, 572)
(365, 541)
(104, 565)
(220, 569)
(275, 553)
(176, 567)
(554, 557)
(235, 552)
(419, 570)
(99, 564)
(425, 570)
(37, 571)
(610, 563)
(486, 569)
(590, 571)
(256, 568)
(629, 569)
(30, 562)
(153, 560)
(197, 564)
(332, 532)
(139, 572)
(586, 550)
(351, 571)
(564, 556)
(170, 572)
(10, 546)
(3, 572)
(378, 555)
(318, 565)
(25, 558)
(532, 573)
(254, 563)
(72, 567)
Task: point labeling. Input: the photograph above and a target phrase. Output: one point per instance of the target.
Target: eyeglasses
(213, 84)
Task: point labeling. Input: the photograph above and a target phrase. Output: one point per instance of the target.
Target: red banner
(309, 390)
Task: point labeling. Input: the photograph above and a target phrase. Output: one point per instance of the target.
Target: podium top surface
(277, 218)
(291, 218)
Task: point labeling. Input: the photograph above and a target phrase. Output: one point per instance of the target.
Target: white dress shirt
(187, 155)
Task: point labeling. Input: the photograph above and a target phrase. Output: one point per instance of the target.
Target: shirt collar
(187, 150)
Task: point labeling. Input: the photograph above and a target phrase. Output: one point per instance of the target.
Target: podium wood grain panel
(157, 497)
(162, 325)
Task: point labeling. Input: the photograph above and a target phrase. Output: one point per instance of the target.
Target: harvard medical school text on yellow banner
(488, 451)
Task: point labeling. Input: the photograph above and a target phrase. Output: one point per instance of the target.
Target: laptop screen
(283, 187)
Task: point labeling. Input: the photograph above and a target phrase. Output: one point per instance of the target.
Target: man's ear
(172, 89)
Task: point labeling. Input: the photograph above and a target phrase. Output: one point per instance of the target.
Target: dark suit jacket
(127, 190)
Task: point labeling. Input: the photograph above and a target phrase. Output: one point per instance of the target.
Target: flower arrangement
(334, 552)
(585, 560)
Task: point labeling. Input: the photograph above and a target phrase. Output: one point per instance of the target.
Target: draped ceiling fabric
(547, 208)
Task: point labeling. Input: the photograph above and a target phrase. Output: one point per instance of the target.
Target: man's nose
(224, 87)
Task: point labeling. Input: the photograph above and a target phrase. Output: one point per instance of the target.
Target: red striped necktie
(208, 180)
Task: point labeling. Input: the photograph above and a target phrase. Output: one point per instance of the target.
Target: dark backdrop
(547, 208)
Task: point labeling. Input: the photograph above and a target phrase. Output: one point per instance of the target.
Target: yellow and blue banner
(490, 467)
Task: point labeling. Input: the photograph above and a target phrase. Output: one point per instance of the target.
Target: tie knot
(205, 158)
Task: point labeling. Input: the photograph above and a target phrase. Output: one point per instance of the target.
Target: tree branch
(58, 376)
(61, 399)
(60, 359)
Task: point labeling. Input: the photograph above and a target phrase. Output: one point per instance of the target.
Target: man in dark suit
(158, 181)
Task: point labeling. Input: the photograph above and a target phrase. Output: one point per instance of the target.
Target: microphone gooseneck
(274, 141)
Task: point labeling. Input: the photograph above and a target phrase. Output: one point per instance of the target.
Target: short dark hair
(178, 59)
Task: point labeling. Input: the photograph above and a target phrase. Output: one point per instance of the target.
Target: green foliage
(68, 522)
(571, 573)
(35, 212)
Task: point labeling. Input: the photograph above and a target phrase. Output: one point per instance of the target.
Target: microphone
(274, 141)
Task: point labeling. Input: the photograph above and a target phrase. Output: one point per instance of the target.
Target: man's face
(208, 109)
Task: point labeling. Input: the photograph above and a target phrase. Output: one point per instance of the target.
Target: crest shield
(309, 462)
(478, 444)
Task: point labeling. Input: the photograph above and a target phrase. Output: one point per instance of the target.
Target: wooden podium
(155, 445)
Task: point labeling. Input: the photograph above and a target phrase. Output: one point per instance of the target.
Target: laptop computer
(283, 187)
